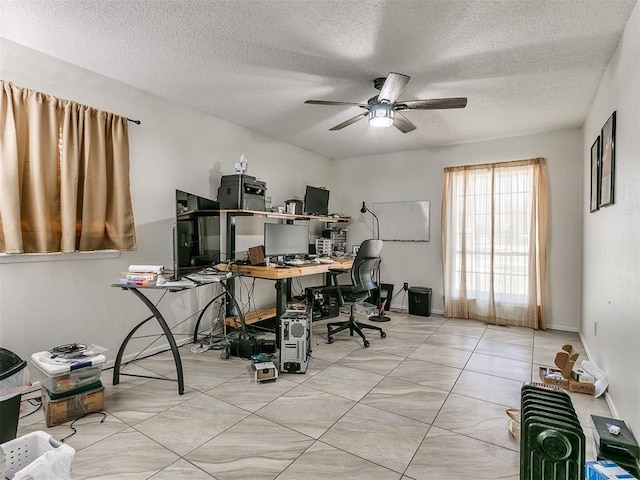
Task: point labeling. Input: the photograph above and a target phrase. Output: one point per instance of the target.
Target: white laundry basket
(37, 455)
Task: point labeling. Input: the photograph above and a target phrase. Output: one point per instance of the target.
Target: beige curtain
(64, 176)
(494, 242)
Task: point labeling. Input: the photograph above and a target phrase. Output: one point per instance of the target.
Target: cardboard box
(605, 470)
(553, 376)
(566, 359)
(265, 371)
(580, 387)
(561, 376)
(72, 407)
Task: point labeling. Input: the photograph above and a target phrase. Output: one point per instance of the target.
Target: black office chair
(363, 281)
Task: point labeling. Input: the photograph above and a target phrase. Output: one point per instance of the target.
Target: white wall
(611, 254)
(419, 175)
(48, 303)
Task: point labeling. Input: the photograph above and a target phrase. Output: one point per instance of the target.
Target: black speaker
(243, 348)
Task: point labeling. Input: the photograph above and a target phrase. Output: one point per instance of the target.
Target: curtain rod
(137, 122)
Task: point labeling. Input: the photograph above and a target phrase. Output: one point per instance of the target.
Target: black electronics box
(243, 348)
(266, 346)
(624, 443)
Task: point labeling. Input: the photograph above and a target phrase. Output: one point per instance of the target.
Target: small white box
(265, 371)
(581, 376)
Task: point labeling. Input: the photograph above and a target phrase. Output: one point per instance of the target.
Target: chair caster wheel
(383, 335)
(366, 344)
(329, 339)
(225, 354)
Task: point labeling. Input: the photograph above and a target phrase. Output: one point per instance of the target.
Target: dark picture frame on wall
(595, 175)
(607, 161)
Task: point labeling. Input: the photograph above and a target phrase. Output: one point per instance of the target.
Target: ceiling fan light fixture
(381, 116)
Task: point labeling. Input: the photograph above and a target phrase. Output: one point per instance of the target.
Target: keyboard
(326, 260)
(295, 262)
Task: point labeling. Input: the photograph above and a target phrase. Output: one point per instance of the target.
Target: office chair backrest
(365, 265)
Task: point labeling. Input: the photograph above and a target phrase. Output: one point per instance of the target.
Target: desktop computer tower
(323, 305)
(295, 340)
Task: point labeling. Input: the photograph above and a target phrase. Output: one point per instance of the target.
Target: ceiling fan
(383, 110)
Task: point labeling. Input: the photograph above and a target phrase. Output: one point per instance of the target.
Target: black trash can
(12, 377)
(386, 289)
(420, 301)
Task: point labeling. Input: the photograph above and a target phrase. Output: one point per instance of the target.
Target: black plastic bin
(420, 301)
(11, 366)
(387, 292)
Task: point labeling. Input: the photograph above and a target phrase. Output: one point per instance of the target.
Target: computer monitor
(196, 234)
(281, 239)
(316, 201)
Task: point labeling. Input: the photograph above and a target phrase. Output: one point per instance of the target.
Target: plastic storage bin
(14, 378)
(38, 454)
(74, 380)
(67, 377)
(420, 301)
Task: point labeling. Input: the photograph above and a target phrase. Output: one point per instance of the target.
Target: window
(494, 229)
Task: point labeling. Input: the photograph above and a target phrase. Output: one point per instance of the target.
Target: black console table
(155, 313)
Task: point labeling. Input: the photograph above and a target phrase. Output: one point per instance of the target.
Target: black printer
(242, 192)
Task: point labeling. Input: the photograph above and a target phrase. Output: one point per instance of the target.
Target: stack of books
(145, 275)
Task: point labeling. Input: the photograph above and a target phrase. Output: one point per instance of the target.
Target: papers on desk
(144, 275)
(182, 283)
(209, 277)
(196, 279)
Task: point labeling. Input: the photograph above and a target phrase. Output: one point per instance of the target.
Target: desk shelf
(252, 317)
(287, 216)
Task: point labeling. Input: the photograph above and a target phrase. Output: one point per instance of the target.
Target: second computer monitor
(316, 201)
(281, 239)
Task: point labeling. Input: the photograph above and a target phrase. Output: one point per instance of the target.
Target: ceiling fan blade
(325, 102)
(393, 86)
(350, 121)
(402, 123)
(433, 104)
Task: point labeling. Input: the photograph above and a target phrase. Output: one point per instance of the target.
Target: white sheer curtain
(494, 230)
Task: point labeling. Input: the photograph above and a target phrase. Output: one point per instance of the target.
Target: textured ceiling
(525, 66)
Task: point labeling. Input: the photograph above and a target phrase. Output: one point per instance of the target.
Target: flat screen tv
(196, 234)
(282, 239)
(316, 201)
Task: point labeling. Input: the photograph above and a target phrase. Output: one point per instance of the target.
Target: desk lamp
(380, 317)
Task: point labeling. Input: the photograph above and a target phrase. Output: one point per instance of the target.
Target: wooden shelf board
(252, 317)
(287, 216)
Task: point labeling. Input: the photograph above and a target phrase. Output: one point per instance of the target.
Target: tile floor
(426, 402)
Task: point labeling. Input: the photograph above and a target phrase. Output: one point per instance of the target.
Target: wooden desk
(282, 277)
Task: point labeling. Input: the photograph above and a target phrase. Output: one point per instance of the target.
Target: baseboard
(402, 309)
(607, 396)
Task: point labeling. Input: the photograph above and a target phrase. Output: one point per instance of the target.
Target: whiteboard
(403, 221)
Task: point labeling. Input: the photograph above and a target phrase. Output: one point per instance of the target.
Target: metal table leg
(167, 332)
